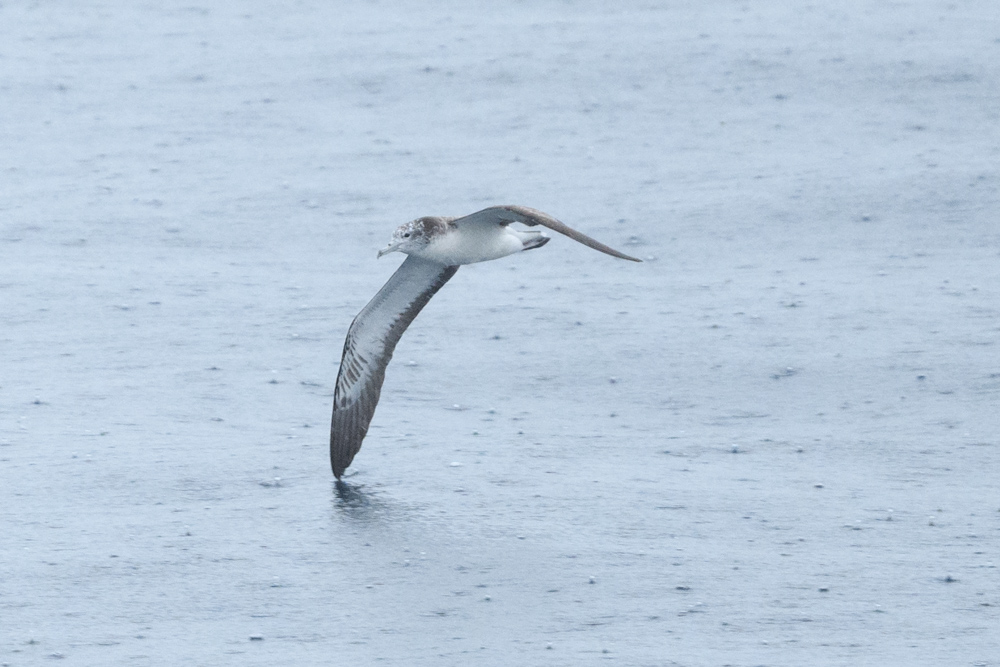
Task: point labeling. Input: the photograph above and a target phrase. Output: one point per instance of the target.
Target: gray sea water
(775, 442)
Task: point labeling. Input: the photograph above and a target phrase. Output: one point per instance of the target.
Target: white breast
(471, 244)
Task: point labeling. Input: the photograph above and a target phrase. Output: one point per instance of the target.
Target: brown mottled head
(415, 235)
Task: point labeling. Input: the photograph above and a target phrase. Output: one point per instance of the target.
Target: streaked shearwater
(436, 247)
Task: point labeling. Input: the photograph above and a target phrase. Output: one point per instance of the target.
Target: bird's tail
(533, 239)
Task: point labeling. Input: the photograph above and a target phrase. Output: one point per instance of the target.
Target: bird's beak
(392, 247)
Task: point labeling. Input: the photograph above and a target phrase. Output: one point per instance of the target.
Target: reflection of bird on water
(351, 496)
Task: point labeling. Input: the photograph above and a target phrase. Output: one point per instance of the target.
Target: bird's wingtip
(621, 255)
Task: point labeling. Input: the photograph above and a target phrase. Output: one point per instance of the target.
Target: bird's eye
(406, 235)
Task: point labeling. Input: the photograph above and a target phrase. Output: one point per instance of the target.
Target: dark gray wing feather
(504, 215)
(370, 343)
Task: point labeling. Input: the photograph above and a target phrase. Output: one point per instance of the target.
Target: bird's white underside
(469, 244)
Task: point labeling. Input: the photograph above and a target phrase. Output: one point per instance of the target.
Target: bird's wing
(370, 343)
(504, 215)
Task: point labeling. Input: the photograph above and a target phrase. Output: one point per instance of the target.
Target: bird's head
(412, 237)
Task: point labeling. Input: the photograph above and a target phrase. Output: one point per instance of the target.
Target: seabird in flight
(436, 247)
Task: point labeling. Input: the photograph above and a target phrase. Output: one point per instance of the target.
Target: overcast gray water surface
(775, 442)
